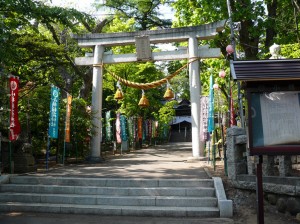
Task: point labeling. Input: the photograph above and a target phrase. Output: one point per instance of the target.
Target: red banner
(232, 114)
(14, 127)
(68, 116)
(140, 127)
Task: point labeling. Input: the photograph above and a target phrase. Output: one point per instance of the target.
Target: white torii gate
(142, 40)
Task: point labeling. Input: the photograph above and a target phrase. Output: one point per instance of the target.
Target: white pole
(195, 90)
(97, 104)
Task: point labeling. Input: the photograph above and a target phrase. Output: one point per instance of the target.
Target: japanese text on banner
(54, 112)
(68, 116)
(14, 127)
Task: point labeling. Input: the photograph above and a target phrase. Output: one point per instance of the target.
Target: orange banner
(68, 116)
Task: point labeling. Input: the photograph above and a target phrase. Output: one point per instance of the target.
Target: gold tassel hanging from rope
(118, 95)
(144, 102)
(169, 94)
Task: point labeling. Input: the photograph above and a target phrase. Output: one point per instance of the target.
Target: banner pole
(0, 154)
(76, 148)
(47, 152)
(10, 162)
(64, 153)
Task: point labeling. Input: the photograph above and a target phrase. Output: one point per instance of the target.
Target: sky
(86, 6)
(80, 5)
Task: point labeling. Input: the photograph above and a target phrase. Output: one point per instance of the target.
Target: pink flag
(118, 129)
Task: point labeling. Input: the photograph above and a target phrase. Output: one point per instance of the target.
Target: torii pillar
(195, 92)
(142, 40)
(95, 154)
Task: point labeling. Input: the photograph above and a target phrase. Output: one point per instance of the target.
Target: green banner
(123, 121)
(108, 126)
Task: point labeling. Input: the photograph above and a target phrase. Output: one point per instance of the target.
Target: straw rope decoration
(150, 84)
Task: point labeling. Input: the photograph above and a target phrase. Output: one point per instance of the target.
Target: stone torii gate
(142, 40)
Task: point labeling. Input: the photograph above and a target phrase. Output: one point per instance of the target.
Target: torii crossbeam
(142, 40)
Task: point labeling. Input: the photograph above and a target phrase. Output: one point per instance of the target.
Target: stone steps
(154, 211)
(122, 191)
(111, 182)
(111, 196)
(173, 201)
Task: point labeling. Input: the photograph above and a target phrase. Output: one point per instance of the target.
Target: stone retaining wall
(280, 186)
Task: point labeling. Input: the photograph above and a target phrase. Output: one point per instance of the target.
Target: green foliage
(4, 102)
(180, 83)
(146, 13)
(191, 13)
(263, 22)
(290, 50)
(34, 107)
(81, 125)
(35, 44)
(21, 22)
(166, 112)
(139, 73)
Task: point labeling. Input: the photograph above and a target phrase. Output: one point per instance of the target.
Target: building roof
(266, 70)
(183, 108)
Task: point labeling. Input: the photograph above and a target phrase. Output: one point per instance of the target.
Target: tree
(35, 45)
(140, 72)
(146, 13)
(262, 22)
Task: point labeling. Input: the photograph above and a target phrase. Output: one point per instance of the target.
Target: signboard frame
(255, 88)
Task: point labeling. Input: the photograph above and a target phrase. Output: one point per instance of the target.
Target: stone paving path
(162, 161)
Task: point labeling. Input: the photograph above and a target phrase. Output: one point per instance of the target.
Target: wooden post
(259, 191)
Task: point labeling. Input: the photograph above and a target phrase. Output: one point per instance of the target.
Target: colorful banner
(140, 127)
(211, 124)
(68, 117)
(54, 112)
(232, 114)
(153, 129)
(118, 129)
(204, 118)
(14, 127)
(144, 131)
(123, 122)
(149, 128)
(130, 123)
(156, 128)
(146, 128)
(108, 126)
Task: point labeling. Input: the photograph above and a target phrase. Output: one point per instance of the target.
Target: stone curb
(225, 206)
(4, 179)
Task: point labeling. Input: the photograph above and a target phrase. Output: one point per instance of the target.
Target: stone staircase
(114, 196)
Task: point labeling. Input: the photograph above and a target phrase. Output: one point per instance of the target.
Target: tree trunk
(86, 88)
(248, 43)
(270, 31)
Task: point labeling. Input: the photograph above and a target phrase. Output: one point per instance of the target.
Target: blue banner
(54, 112)
(211, 124)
